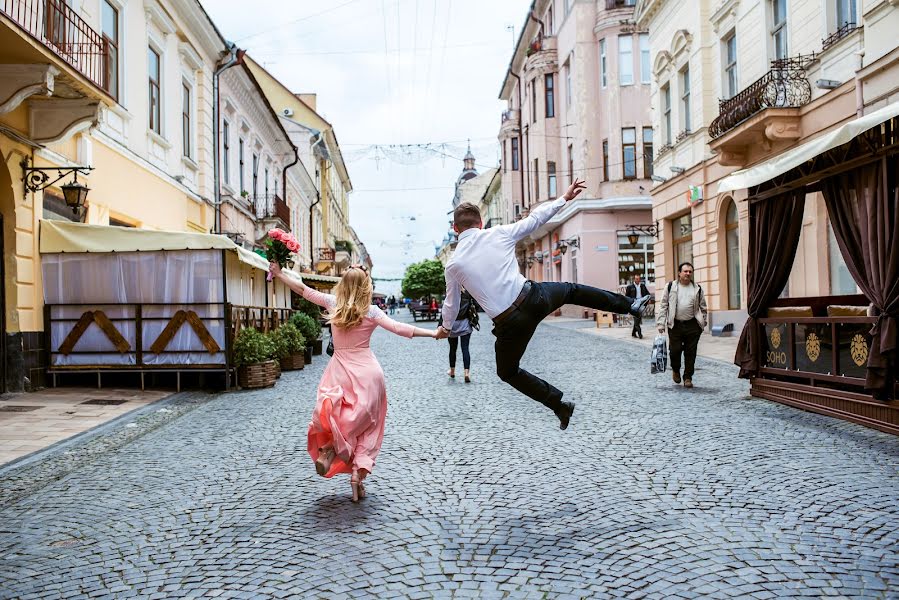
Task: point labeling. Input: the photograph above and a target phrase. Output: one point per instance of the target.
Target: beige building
(785, 71)
(331, 238)
(577, 90)
(124, 88)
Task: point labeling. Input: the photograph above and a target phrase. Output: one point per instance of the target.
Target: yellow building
(124, 89)
(331, 235)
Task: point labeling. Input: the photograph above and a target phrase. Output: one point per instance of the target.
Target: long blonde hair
(353, 292)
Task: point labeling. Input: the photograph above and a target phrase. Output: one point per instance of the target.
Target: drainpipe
(233, 57)
(859, 89)
(318, 198)
(538, 21)
(520, 131)
(296, 159)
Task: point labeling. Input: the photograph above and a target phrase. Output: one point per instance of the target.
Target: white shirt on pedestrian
(484, 264)
(686, 301)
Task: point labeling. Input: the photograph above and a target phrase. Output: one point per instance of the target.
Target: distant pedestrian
(683, 312)
(461, 330)
(635, 290)
(391, 304)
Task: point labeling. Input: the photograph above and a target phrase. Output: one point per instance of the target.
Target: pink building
(578, 89)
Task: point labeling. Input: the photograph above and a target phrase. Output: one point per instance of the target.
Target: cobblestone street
(654, 491)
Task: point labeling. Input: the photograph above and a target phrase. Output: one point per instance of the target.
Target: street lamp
(36, 179)
(574, 242)
(75, 194)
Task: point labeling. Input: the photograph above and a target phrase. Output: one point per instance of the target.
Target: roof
(473, 189)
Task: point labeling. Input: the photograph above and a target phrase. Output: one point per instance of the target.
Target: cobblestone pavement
(654, 491)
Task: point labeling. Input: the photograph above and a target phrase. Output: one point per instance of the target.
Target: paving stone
(653, 492)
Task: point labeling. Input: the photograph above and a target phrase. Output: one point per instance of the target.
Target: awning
(63, 236)
(746, 178)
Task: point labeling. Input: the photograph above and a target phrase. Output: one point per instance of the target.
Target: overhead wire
(295, 21)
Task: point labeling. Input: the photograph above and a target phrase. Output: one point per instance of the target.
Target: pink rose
(276, 234)
(293, 246)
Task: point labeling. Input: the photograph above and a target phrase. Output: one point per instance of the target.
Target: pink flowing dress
(352, 395)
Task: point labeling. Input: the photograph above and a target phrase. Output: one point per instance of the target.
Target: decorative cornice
(727, 9)
(157, 16)
(190, 56)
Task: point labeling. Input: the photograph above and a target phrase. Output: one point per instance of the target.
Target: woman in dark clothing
(461, 331)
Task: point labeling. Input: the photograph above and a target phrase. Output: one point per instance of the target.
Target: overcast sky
(391, 72)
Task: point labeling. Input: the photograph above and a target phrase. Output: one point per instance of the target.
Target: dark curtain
(774, 228)
(863, 210)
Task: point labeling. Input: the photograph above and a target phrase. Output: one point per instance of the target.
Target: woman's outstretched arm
(402, 329)
(323, 300)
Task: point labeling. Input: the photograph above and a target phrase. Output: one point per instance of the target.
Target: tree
(423, 279)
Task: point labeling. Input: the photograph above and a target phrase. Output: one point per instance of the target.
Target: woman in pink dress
(347, 425)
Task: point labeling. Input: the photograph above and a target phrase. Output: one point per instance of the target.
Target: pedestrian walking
(347, 426)
(484, 263)
(461, 333)
(683, 313)
(635, 290)
(391, 304)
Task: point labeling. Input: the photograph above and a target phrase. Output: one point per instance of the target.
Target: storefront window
(732, 241)
(682, 233)
(636, 259)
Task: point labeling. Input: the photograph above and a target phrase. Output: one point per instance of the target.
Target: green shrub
(308, 326)
(287, 340)
(252, 346)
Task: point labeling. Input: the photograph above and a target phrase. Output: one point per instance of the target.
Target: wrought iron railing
(324, 254)
(56, 25)
(272, 206)
(844, 30)
(784, 86)
(612, 4)
(663, 149)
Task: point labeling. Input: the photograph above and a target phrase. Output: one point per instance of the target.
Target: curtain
(100, 282)
(774, 228)
(863, 205)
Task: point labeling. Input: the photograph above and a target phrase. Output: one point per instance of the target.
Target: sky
(391, 72)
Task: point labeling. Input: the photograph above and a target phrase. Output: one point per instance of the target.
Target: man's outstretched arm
(542, 213)
(450, 303)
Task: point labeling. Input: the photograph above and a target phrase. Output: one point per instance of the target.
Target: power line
(295, 21)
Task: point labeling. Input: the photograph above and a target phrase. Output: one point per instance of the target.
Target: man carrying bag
(683, 313)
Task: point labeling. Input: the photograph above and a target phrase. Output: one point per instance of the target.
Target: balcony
(343, 252)
(837, 35)
(324, 255)
(541, 56)
(272, 207)
(509, 123)
(59, 28)
(613, 4)
(493, 222)
(764, 113)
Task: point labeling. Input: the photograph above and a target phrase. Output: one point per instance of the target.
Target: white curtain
(92, 281)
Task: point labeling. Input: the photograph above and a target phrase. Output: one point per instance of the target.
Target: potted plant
(290, 347)
(252, 356)
(274, 347)
(311, 330)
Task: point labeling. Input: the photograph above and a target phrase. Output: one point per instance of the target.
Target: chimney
(309, 99)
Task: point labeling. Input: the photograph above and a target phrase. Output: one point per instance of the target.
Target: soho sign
(776, 357)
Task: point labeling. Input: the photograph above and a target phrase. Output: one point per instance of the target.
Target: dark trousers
(638, 321)
(684, 337)
(516, 330)
(454, 343)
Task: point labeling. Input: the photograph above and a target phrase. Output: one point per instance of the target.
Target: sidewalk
(716, 348)
(32, 422)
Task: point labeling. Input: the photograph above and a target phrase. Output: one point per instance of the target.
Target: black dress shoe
(564, 413)
(638, 305)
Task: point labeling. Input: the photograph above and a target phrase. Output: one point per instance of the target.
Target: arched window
(732, 245)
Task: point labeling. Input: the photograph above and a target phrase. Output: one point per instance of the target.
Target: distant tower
(468, 172)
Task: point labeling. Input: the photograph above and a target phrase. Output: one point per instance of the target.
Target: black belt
(525, 289)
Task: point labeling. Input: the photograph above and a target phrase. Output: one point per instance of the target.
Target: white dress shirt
(484, 264)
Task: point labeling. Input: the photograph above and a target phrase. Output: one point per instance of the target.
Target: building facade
(328, 224)
(577, 93)
(737, 83)
(120, 95)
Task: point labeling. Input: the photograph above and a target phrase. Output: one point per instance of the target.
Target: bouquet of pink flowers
(279, 245)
